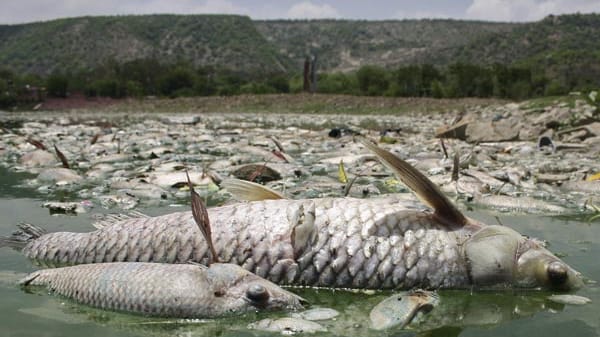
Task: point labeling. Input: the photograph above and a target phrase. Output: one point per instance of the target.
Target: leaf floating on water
(342, 173)
(594, 177)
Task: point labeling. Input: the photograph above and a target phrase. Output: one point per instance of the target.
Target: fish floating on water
(169, 290)
(381, 243)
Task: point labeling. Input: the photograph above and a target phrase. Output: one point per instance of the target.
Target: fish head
(235, 289)
(500, 256)
(538, 267)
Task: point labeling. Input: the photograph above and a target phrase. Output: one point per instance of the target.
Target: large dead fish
(331, 242)
(170, 290)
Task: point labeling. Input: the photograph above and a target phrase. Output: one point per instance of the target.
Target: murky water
(460, 312)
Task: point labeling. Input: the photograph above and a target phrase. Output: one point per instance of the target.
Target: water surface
(461, 313)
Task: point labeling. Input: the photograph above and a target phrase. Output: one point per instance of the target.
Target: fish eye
(257, 293)
(557, 273)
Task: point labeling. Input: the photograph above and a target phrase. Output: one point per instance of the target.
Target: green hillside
(562, 48)
(344, 45)
(83, 43)
(565, 48)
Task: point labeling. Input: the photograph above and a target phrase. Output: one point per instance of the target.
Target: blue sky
(17, 11)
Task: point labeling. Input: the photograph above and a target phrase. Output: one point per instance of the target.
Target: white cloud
(308, 10)
(527, 10)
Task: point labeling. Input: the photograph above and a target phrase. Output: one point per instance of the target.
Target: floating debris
(67, 207)
(317, 314)
(569, 299)
(287, 326)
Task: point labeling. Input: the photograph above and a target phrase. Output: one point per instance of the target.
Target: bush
(555, 88)
(338, 83)
(372, 80)
(175, 80)
(57, 85)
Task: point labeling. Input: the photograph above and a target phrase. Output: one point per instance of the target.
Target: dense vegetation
(170, 56)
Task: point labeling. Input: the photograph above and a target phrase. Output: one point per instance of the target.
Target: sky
(20, 11)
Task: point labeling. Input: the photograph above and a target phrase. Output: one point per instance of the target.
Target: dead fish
(524, 204)
(399, 310)
(379, 243)
(168, 290)
(569, 299)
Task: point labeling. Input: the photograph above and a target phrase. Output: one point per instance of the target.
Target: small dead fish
(167, 290)
(569, 299)
(399, 310)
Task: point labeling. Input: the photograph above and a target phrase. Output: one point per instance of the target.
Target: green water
(461, 313)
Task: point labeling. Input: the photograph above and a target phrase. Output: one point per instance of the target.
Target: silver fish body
(337, 242)
(333, 242)
(168, 290)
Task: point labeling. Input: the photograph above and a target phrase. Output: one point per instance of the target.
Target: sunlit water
(461, 313)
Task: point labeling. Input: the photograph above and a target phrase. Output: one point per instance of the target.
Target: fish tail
(19, 238)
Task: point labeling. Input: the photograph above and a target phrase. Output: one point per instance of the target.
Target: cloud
(308, 10)
(527, 10)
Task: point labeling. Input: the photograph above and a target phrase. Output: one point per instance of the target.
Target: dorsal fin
(249, 191)
(109, 219)
(201, 217)
(424, 188)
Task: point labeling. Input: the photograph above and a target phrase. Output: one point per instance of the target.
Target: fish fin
(105, 220)
(28, 279)
(18, 239)
(249, 191)
(303, 230)
(63, 159)
(423, 188)
(200, 215)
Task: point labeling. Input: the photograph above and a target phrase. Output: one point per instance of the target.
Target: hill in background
(556, 54)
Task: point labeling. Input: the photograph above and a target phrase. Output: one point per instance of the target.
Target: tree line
(148, 77)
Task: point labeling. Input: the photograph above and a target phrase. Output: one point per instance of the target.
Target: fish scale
(325, 258)
(321, 242)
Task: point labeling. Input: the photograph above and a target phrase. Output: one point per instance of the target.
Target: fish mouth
(278, 299)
